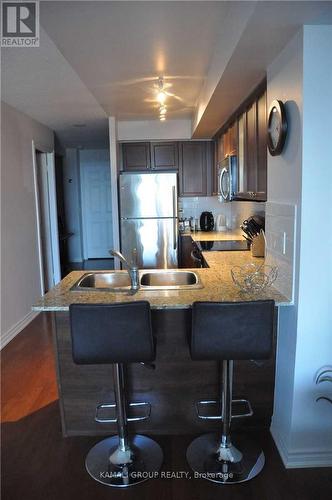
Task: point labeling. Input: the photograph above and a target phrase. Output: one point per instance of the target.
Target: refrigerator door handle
(174, 218)
(174, 234)
(174, 201)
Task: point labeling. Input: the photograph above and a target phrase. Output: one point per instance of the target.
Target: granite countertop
(217, 286)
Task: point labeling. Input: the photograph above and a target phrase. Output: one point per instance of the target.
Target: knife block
(258, 246)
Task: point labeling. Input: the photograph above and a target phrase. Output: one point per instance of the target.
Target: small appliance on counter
(221, 223)
(206, 221)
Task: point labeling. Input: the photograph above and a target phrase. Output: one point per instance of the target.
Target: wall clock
(276, 127)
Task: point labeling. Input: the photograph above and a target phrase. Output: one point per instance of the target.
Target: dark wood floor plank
(39, 464)
(27, 371)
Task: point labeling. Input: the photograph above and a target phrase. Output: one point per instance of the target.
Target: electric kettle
(221, 223)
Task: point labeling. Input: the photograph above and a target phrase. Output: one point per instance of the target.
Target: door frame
(55, 250)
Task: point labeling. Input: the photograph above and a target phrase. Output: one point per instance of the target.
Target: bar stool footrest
(206, 403)
(104, 420)
(249, 411)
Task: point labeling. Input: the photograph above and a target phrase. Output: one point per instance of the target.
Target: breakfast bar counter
(216, 281)
(176, 382)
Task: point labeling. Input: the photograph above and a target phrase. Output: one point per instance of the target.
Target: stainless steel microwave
(227, 178)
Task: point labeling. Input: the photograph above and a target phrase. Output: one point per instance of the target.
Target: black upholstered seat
(111, 333)
(232, 330)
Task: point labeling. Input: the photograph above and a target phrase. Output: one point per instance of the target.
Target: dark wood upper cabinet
(195, 168)
(164, 155)
(135, 155)
(245, 136)
(251, 148)
(261, 187)
(230, 140)
(193, 159)
(216, 156)
(254, 173)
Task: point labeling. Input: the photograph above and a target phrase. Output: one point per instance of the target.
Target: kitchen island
(176, 382)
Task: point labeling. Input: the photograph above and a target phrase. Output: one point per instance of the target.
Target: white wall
(284, 81)
(153, 130)
(20, 280)
(312, 421)
(299, 184)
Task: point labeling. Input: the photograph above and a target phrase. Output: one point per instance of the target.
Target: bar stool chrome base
(238, 462)
(143, 461)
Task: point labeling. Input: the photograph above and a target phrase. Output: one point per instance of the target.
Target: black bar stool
(228, 331)
(117, 334)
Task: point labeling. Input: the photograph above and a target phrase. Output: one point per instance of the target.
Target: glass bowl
(254, 278)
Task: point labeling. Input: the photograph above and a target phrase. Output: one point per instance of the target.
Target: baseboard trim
(17, 328)
(301, 459)
(280, 444)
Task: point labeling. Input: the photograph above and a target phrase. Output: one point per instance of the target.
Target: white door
(47, 218)
(96, 203)
(45, 223)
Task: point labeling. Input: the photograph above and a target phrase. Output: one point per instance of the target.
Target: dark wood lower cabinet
(172, 388)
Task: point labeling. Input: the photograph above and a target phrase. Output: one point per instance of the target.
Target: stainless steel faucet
(131, 268)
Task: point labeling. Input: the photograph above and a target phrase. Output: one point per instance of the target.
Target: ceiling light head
(162, 111)
(162, 118)
(160, 83)
(161, 97)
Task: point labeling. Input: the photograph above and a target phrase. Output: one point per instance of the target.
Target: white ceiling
(42, 84)
(268, 29)
(103, 58)
(120, 48)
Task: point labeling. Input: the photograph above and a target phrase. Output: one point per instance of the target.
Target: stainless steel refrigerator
(149, 218)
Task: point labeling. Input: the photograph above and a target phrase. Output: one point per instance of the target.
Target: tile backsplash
(280, 228)
(235, 212)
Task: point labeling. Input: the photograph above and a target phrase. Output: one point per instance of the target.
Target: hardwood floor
(28, 371)
(38, 464)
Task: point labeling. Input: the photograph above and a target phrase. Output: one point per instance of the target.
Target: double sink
(156, 279)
